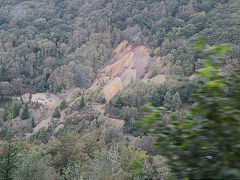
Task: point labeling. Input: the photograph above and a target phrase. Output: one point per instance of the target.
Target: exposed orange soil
(112, 88)
(121, 47)
(129, 64)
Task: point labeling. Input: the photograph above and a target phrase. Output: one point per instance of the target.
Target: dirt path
(44, 123)
(49, 100)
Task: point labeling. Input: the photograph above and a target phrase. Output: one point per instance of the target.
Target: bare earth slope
(129, 64)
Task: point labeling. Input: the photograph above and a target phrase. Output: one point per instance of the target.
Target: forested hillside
(60, 44)
(119, 89)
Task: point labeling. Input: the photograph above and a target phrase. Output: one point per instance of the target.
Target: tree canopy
(55, 45)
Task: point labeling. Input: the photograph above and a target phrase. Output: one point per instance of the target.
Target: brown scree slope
(128, 64)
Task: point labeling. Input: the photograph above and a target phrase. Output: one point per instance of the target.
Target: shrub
(5, 115)
(151, 53)
(56, 113)
(112, 133)
(63, 104)
(36, 105)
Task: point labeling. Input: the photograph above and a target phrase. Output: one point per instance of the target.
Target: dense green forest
(56, 122)
(43, 41)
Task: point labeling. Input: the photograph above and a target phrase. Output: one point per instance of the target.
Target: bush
(5, 115)
(43, 135)
(112, 133)
(151, 53)
(56, 113)
(63, 104)
(36, 105)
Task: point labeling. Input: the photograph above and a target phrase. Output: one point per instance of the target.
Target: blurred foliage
(206, 144)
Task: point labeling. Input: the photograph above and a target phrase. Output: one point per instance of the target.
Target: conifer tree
(63, 104)
(118, 102)
(15, 109)
(176, 102)
(56, 113)
(33, 123)
(168, 100)
(30, 97)
(25, 113)
(8, 155)
(5, 115)
(82, 103)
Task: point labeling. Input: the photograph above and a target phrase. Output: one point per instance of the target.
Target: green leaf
(215, 84)
(221, 49)
(206, 72)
